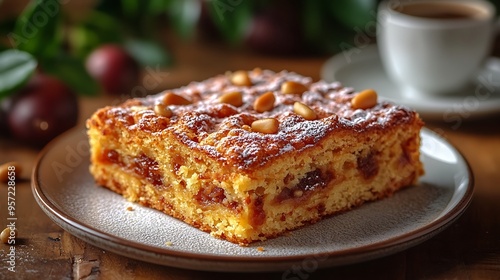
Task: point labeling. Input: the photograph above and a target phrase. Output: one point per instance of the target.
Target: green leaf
(16, 67)
(354, 13)
(231, 17)
(99, 28)
(312, 20)
(37, 30)
(143, 9)
(82, 40)
(148, 53)
(72, 71)
(157, 6)
(184, 15)
(131, 7)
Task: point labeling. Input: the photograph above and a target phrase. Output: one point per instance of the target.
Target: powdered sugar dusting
(223, 130)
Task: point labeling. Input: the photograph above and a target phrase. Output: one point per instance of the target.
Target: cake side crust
(203, 165)
(341, 172)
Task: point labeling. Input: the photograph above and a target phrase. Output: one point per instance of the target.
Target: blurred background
(54, 52)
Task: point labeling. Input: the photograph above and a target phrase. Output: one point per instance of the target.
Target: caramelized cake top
(218, 115)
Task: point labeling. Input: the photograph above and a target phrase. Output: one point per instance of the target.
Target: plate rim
(362, 253)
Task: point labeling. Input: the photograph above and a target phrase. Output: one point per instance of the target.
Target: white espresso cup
(434, 47)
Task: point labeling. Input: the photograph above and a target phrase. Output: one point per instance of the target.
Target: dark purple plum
(43, 109)
(276, 29)
(115, 70)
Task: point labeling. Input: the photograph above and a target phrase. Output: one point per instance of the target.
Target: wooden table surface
(467, 249)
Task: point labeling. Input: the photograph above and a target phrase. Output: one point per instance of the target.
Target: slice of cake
(250, 155)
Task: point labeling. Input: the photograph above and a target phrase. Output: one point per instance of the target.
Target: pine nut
(364, 99)
(304, 111)
(240, 78)
(163, 110)
(234, 98)
(4, 171)
(257, 71)
(268, 126)
(6, 233)
(171, 98)
(265, 102)
(291, 87)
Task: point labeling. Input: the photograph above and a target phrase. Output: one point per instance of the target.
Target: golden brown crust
(218, 129)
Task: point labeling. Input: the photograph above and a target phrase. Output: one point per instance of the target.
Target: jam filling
(257, 214)
(147, 168)
(408, 148)
(207, 196)
(178, 161)
(142, 165)
(313, 180)
(111, 156)
(368, 166)
(215, 195)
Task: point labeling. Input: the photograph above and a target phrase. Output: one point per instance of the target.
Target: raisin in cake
(250, 155)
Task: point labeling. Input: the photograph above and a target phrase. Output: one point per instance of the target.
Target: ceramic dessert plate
(361, 68)
(67, 193)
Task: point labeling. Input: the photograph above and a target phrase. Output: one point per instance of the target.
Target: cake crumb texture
(250, 155)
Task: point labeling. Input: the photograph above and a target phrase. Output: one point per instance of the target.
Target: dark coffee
(441, 10)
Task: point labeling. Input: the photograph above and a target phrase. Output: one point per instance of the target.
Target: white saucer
(361, 68)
